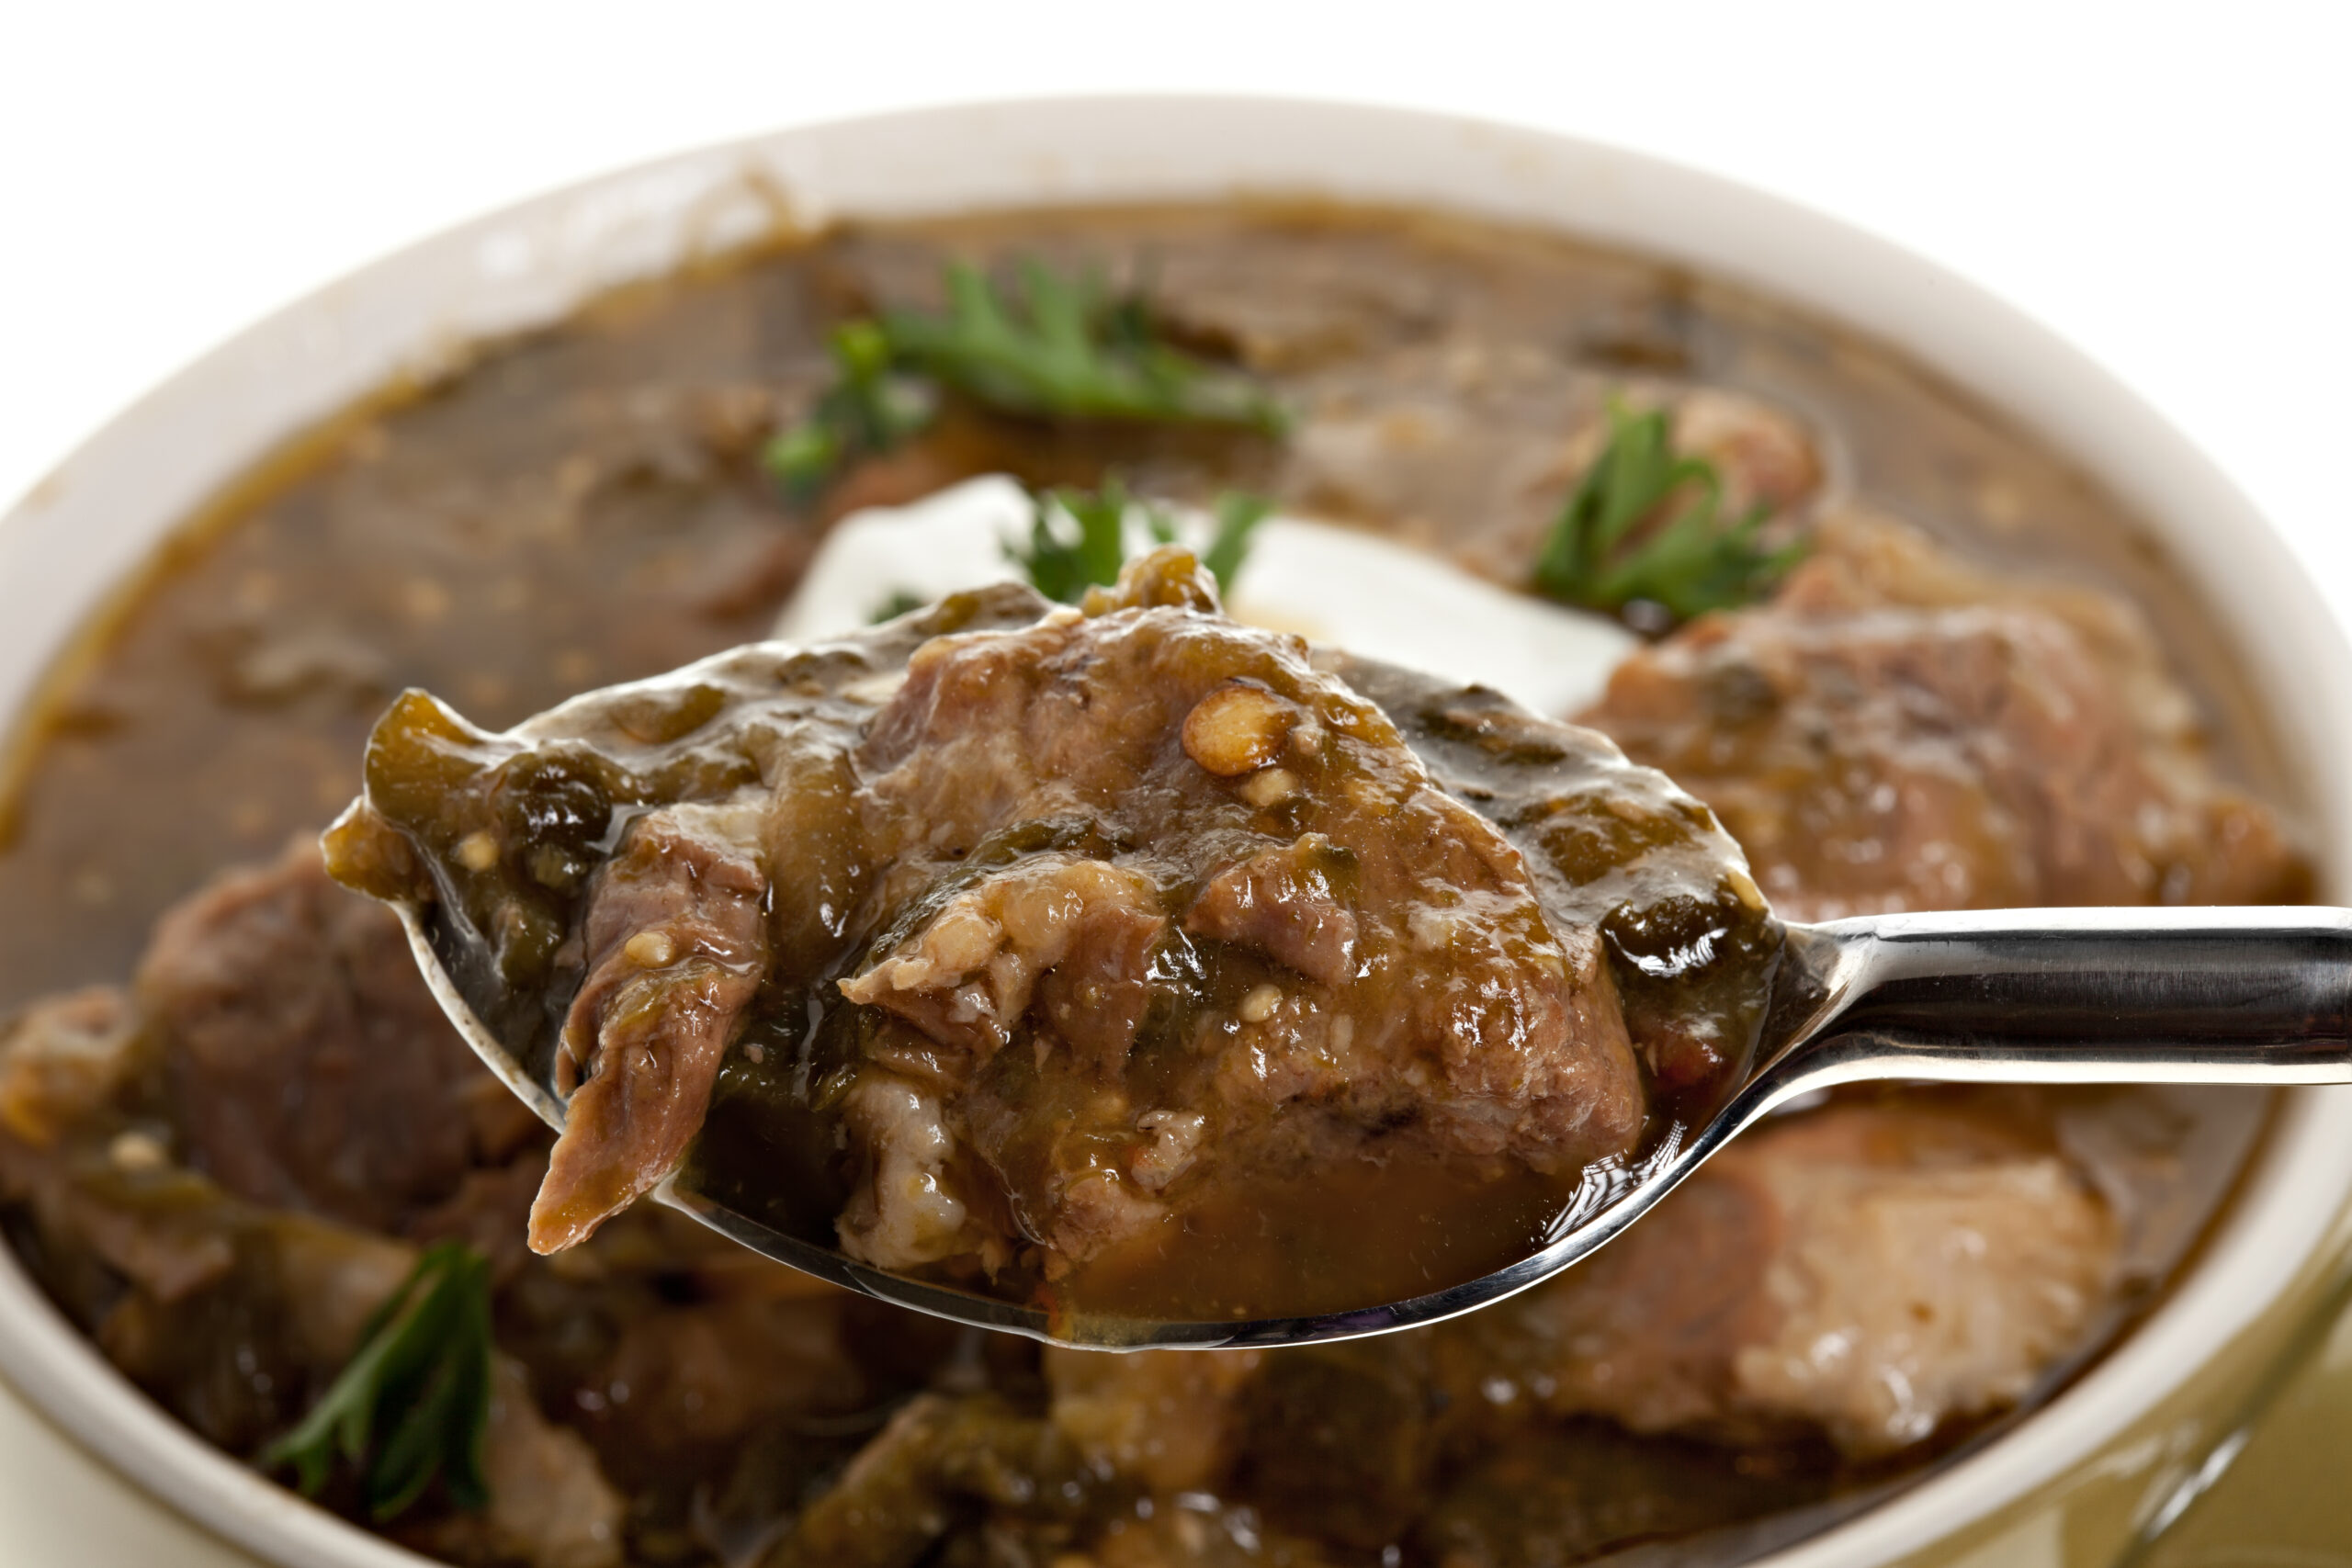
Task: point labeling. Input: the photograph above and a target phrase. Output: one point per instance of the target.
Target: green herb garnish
(1617, 545)
(896, 602)
(1077, 539)
(869, 408)
(1069, 349)
(414, 1402)
(1238, 516)
(1055, 347)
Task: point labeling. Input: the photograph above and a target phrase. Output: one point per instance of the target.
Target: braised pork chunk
(1900, 730)
(308, 1066)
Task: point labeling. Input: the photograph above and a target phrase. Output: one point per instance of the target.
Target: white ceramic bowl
(2072, 1482)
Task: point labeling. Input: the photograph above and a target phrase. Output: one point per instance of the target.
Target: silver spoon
(2205, 996)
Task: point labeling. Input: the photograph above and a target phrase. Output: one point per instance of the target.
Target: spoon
(2173, 996)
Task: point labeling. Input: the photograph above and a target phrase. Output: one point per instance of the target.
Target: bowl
(2112, 1458)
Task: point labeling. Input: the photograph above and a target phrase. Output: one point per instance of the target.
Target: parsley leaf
(1617, 546)
(1066, 349)
(414, 1401)
(1055, 347)
(869, 408)
(1077, 539)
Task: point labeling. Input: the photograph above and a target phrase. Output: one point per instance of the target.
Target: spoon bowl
(2179, 996)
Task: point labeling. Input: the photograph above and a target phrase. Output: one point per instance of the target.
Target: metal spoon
(2209, 996)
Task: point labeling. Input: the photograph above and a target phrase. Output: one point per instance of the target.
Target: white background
(2169, 188)
(2166, 186)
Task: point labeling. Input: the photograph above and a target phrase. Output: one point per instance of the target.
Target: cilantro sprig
(1052, 346)
(414, 1402)
(1077, 539)
(1643, 528)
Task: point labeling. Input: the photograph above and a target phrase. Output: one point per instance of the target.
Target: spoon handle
(2075, 996)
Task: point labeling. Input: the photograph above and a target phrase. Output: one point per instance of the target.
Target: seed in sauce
(478, 851)
(650, 949)
(1236, 728)
(1269, 787)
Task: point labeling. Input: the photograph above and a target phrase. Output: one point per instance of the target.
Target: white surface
(59, 1508)
(1330, 585)
(2165, 184)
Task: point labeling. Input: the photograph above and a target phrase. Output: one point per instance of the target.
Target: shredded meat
(1282, 902)
(675, 936)
(968, 977)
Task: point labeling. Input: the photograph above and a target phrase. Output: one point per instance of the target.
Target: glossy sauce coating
(1051, 1003)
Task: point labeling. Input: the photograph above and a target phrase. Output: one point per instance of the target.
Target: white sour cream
(1331, 585)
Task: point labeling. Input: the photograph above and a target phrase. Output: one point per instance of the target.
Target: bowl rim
(70, 545)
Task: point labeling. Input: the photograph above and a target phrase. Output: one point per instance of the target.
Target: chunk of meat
(903, 1211)
(1762, 454)
(683, 1386)
(308, 1066)
(939, 1456)
(1350, 305)
(1285, 904)
(1898, 731)
(1868, 1272)
(62, 1060)
(1463, 446)
(676, 943)
(234, 1318)
(550, 1506)
(1167, 1418)
(1463, 1012)
(967, 978)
